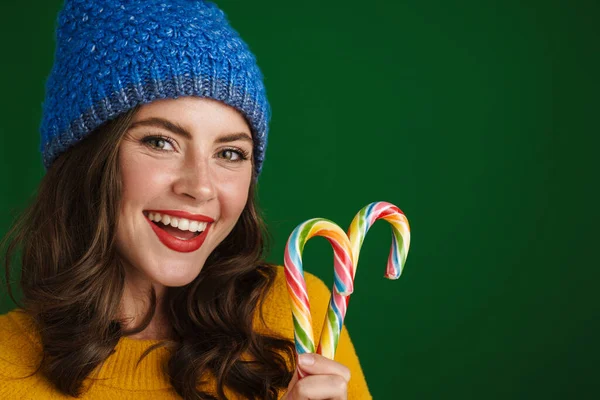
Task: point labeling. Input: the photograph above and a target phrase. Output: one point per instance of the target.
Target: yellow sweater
(20, 350)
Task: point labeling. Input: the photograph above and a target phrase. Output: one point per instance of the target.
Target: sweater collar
(119, 370)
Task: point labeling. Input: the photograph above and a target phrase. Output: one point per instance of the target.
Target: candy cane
(346, 251)
(343, 284)
(400, 234)
(359, 227)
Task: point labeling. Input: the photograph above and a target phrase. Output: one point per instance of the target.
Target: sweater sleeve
(19, 358)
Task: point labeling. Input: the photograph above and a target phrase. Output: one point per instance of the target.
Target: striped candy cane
(346, 255)
(363, 221)
(343, 283)
(338, 305)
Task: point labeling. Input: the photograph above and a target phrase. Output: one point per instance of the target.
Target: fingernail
(306, 359)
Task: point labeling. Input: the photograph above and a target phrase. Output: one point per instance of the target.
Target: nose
(196, 181)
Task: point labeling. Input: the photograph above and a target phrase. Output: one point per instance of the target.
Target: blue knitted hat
(112, 55)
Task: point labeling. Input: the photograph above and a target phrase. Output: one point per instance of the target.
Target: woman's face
(186, 164)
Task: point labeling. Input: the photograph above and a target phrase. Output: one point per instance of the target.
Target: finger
(320, 387)
(293, 381)
(317, 364)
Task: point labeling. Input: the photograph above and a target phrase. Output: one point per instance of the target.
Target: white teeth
(184, 224)
(180, 223)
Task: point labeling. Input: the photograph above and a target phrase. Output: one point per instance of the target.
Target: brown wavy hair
(72, 280)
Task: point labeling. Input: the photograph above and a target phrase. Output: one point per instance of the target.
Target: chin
(174, 274)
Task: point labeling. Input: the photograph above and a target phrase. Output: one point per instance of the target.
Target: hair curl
(72, 280)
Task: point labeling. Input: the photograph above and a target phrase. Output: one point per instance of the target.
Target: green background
(478, 119)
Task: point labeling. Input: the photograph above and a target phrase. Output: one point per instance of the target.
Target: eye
(234, 154)
(160, 143)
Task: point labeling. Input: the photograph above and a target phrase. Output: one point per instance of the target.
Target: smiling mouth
(172, 226)
(179, 234)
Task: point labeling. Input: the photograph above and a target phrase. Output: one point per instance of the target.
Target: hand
(325, 380)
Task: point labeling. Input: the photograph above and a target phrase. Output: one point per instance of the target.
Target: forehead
(195, 114)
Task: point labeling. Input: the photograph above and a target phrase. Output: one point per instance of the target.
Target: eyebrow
(181, 131)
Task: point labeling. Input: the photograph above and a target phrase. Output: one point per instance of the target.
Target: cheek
(141, 181)
(233, 195)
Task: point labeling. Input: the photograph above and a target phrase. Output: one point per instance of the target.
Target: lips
(182, 246)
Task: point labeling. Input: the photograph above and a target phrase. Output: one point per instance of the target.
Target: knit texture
(112, 55)
(20, 350)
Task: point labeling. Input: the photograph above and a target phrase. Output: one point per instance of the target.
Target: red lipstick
(182, 246)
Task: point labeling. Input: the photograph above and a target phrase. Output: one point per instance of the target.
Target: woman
(142, 266)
